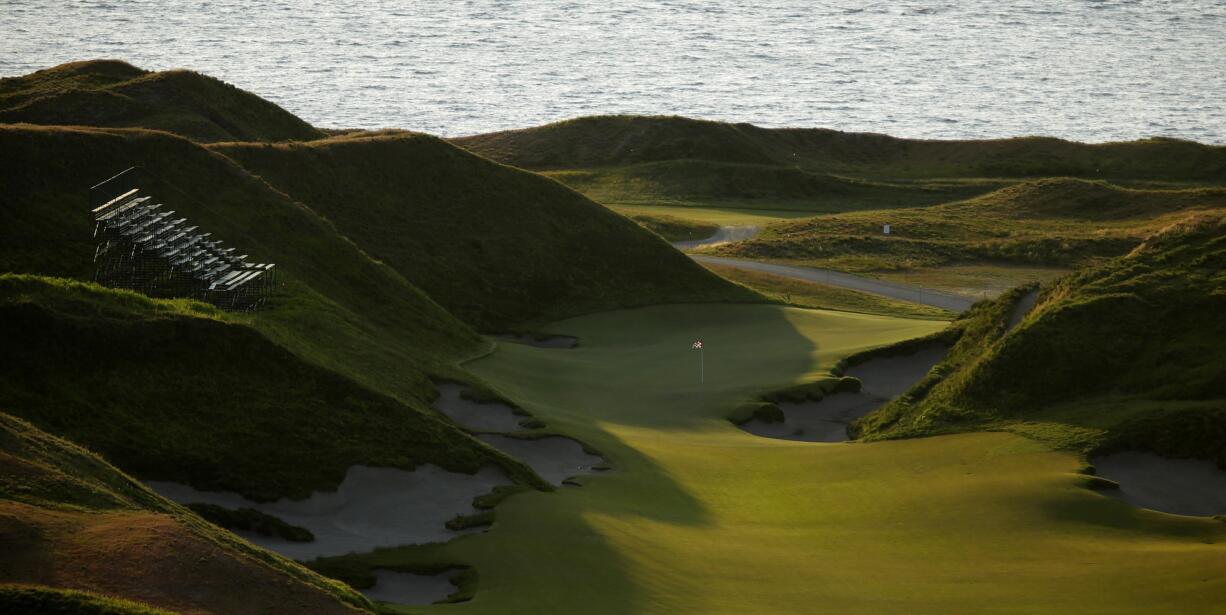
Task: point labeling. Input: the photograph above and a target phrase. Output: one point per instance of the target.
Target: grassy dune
(179, 391)
(1050, 222)
(613, 141)
(68, 520)
(700, 517)
(336, 308)
(1124, 355)
(672, 228)
(754, 187)
(115, 94)
(496, 246)
(820, 296)
(695, 165)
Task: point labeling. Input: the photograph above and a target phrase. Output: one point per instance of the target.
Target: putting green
(701, 517)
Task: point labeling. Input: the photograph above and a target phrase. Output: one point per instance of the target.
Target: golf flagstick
(702, 368)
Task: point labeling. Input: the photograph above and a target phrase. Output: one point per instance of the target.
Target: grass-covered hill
(1124, 355)
(632, 161)
(177, 390)
(494, 245)
(111, 93)
(79, 536)
(1060, 221)
(336, 309)
(616, 141)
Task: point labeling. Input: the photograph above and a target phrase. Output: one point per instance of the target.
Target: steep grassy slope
(1049, 222)
(494, 245)
(614, 141)
(69, 520)
(178, 391)
(1125, 355)
(45, 600)
(115, 94)
(336, 307)
(672, 228)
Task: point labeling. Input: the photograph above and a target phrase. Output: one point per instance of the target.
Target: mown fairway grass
(700, 517)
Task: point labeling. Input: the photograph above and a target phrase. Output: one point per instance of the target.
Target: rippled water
(1090, 71)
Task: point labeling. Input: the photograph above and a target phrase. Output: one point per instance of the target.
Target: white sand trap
(472, 415)
(1022, 308)
(889, 377)
(882, 379)
(552, 341)
(816, 421)
(411, 589)
(372, 508)
(554, 458)
(1177, 486)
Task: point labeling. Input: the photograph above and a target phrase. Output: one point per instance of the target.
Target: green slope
(1124, 355)
(494, 245)
(336, 307)
(179, 391)
(703, 183)
(701, 517)
(116, 94)
(632, 161)
(62, 508)
(612, 141)
(1050, 222)
(48, 601)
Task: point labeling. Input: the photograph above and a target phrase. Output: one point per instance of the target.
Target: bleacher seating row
(143, 246)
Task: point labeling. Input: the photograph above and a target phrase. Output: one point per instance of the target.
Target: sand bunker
(1178, 486)
(725, 234)
(816, 421)
(889, 377)
(550, 341)
(372, 508)
(554, 458)
(826, 421)
(472, 415)
(1022, 308)
(411, 589)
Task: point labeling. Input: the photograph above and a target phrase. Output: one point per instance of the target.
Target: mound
(69, 521)
(336, 309)
(1052, 222)
(494, 245)
(744, 185)
(1124, 355)
(115, 94)
(177, 391)
(1070, 198)
(609, 141)
(616, 140)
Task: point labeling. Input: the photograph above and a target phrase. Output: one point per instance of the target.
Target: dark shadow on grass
(635, 370)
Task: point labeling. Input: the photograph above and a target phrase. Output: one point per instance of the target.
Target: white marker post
(702, 375)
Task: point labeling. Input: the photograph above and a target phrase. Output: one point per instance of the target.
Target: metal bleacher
(143, 246)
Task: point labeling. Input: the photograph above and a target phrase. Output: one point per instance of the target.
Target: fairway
(700, 517)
